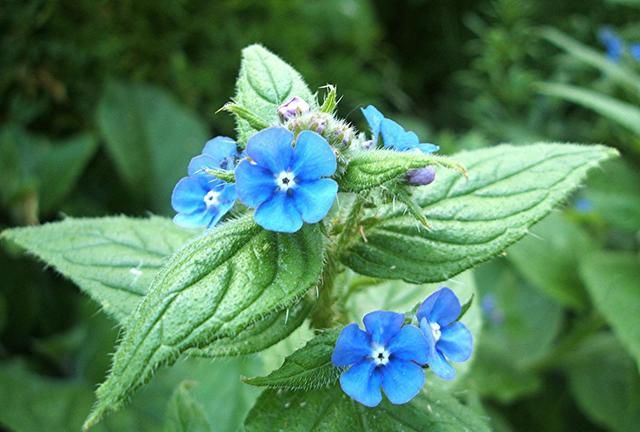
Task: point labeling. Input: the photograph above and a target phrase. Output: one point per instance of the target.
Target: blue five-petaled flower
(200, 199)
(393, 135)
(448, 339)
(387, 355)
(285, 184)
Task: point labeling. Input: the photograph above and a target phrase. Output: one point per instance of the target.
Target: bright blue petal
(353, 346)
(612, 43)
(197, 219)
(410, 345)
(402, 381)
(395, 137)
(428, 148)
(188, 194)
(254, 184)
(362, 383)
(439, 365)
(279, 214)
(313, 157)
(271, 149)
(314, 199)
(374, 118)
(456, 342)
(199, 164)
(442, 307)
(383, 325)
(222, 150)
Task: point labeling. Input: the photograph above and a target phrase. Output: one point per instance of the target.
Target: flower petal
(428, 148)
(313, 157)
(362, 383)
(198, 219)
(254, 184)
(402, 381)
(314, 199)
(271, 149)
(410, 345)
(223, 150)
(383, 325)
(439, 365)
(199, 164)
(442, 307)
(279, 213)
(374, 118)
(188, 194)
(353, 345)
(394, 136)
(456, 342)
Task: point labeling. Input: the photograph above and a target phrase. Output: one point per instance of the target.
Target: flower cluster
(285, 171)
(615, 46)
(390, 355)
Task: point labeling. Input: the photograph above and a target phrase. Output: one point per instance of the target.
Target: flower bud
(292, 108)
(421, 176)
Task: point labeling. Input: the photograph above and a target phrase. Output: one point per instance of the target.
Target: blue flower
(386, 355)
(449, 339)
(200, 199)
(284, 183)
(612, 43)
(393, 135)
(634, 49)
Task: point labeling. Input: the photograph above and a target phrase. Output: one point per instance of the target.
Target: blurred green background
(104, 102)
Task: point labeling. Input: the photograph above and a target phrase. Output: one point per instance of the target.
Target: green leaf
(624, 76)
(623, 113)
(472, 219)
(520, 326)
(184, 413)
(150, 137)
(113, 259)
(615, 193)
(50, 168)
(549, 259)
(605, 383)
(217, 285)
(264, 83)
(369, 169)
(308, 368)
(331, 410)
(612, 281)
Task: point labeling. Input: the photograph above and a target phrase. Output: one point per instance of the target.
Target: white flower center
(211, 199)
(285, 180)
(435, 331)
(380, 356)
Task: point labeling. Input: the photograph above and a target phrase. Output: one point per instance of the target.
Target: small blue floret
(200, 199)
(286, 184)
(387, 356)
(393, 135)
(448, 339)
(612, 43)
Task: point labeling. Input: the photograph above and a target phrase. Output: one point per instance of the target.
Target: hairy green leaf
(308, 368)
(509, 189)
(217, 285)
(113, 259)
(549, 259)
(369, 169)
(612, 280)
(330, 410)
(265, 82)
(184, 413)
(150, 137)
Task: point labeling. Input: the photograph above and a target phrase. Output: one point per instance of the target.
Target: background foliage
(559, 348)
